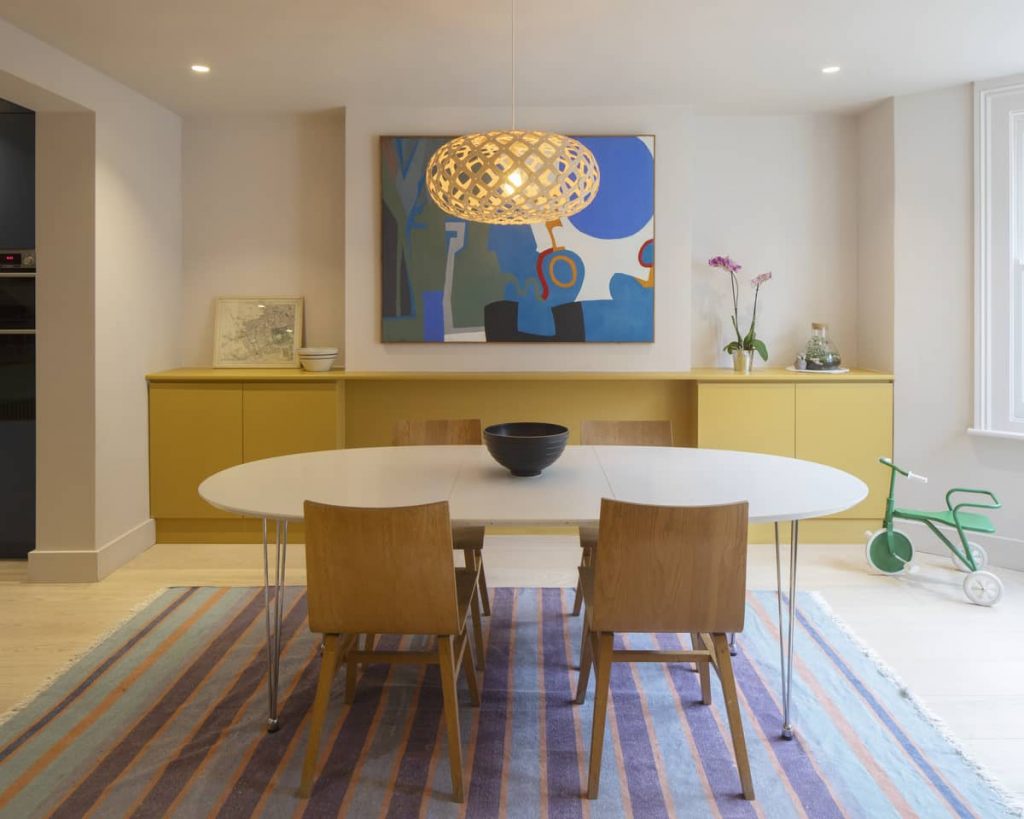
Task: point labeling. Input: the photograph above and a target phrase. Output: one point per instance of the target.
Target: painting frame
(614, 304)
(245, 336)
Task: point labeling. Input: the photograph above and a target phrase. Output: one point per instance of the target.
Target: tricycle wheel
(983, 588)
(879, 556)
(978, 553)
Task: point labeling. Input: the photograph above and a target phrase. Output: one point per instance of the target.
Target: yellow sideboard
(204, 420)
(199, 427)
(845, 425)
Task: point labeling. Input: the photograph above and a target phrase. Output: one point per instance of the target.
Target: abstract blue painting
(589, 277)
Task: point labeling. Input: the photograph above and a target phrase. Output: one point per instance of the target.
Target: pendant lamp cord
(513, 65)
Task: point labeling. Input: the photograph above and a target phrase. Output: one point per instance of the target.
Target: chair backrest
(382, 571)
(626, 433)
(425, 433)
(670, 568)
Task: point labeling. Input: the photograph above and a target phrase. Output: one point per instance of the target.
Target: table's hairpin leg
(274, 612)
(786, 637)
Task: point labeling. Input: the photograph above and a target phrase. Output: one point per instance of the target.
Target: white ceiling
(720, 55)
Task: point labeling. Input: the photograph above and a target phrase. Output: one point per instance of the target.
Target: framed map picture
(257, 332)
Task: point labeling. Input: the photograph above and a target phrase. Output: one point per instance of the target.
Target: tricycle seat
(969, 521)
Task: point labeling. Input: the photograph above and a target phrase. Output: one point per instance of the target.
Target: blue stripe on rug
(182, 685)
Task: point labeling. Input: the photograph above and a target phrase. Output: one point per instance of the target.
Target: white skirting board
(90, 565)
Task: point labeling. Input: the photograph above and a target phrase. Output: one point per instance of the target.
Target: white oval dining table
(568, 493)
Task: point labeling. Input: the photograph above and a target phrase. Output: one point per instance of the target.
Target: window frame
(999, 252)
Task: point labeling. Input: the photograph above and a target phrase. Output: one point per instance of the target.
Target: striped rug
(165, 718)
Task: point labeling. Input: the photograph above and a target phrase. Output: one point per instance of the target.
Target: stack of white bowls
(317, 359)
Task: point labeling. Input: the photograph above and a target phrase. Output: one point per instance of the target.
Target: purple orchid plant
(750, 341)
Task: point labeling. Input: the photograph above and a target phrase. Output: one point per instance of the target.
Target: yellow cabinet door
(194, 431)
(848, 426)
(281, 419)
(747, 417)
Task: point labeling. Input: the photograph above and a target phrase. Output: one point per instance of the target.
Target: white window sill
(995, 433)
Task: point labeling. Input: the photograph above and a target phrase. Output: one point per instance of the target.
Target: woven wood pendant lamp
(512, 177)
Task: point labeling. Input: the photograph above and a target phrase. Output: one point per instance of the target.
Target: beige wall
(779, 191)
(264, 200)
(136, 303)
(875, 259)
(671, 348)
(934, 265)
(775, 193)
(66, 334)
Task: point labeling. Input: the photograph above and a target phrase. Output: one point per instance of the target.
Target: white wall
(779, 192)
(65, 332)
(264, 201)
(138, 303)
(137, 300)
(671, 347)
(875, 250)
(775, 193)
(934, 269)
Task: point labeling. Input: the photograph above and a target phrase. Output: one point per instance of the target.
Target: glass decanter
(821, 353)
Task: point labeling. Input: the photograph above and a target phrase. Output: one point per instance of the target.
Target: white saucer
(836, 371)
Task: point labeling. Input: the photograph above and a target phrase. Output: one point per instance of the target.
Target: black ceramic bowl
(525, 448)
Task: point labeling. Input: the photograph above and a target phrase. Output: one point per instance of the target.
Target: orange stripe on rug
(61, 744)
(867, 759)
(258, 691)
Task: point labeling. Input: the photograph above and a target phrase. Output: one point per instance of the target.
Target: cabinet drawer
(848, 426)
(194, 431)
(281, 419)
(747, 417)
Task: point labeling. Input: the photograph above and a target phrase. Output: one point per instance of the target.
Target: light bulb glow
(201, 69)
(513, 182)
(830, 69)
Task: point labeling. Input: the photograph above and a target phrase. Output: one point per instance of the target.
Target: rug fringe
(57, 673)
(1009, 800)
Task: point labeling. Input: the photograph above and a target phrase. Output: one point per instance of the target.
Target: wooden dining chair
(468, 539)
(615, 433)
(387, 571)
(666, 569)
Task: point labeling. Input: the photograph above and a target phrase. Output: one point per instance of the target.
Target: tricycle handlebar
(904, 472)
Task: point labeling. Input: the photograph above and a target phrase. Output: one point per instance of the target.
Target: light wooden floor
(966, 663)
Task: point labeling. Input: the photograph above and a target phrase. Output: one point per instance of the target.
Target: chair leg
(577, 603)
(345, 644)
(351, 674)
(703, 669)
(328, 665)
(478, 632)
(485, 599)
(352, 669)
(586, 659)
(603, 659)
(472, 681)
(732, 708)
(446, 659)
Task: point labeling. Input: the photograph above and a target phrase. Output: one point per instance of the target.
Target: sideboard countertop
(703, 374)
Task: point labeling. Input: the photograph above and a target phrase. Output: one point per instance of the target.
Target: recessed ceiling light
(201, 69)
(830, 69)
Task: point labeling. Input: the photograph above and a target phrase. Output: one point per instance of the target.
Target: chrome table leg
(732, 644)
(786, 637)
(274, 611)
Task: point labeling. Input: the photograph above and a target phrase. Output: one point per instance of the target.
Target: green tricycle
(890, 551)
